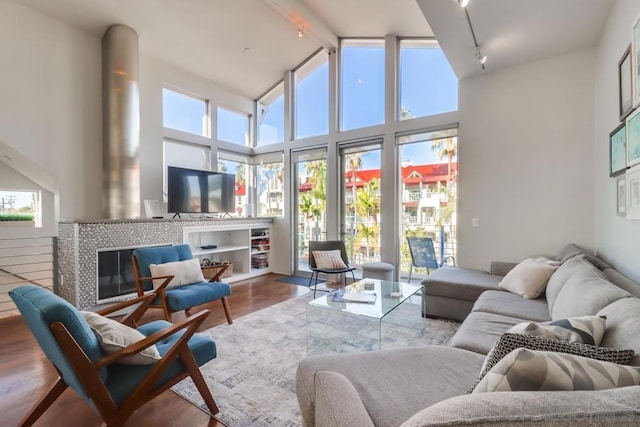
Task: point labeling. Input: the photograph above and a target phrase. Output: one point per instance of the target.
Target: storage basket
(209, 273)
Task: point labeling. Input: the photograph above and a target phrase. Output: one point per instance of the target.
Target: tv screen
(198, 191)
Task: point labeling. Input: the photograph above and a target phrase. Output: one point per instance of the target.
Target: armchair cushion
(124, 378)
(184, 273)
(188, 296)
(114, 336)
(329, 260)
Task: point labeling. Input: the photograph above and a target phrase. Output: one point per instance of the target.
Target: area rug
(294, 280)
(252, 378)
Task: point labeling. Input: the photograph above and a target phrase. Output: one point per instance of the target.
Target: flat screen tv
(198, 191)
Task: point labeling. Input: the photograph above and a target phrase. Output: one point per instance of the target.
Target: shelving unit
(246, 248)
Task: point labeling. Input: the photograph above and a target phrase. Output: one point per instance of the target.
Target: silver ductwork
(121, 123)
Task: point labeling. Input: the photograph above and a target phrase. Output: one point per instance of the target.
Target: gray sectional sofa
(426, 385)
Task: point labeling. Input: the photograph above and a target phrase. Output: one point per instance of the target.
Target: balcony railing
(22, 261)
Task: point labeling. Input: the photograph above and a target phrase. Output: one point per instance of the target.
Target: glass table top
(389, 295)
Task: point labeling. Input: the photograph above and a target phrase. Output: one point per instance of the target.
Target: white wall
(50, 103)
(526, 162)
(617, 238)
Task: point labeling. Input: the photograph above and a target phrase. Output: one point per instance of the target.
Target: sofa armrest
(499, 268)
(338, 403)
(617, 407)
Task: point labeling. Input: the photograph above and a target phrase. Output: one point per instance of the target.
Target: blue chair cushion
(123, 379)
(40, 308)
(187, 296)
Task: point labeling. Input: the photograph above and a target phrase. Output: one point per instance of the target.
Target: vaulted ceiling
(247, 45)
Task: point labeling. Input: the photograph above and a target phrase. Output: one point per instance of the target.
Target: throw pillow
(530, 370)
(529, 278)
(584, 329)
(184, 273)
(114, 336)
(329, 260)
(509, 342)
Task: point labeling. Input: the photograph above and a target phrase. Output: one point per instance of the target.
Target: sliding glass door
(310, 202)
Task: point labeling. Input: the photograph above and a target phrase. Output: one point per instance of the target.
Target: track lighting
(300, 31)
(478, 56)
(463, 3)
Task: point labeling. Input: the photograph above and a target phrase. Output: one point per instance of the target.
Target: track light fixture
(463, 3)
(300, 31)
(479, 56)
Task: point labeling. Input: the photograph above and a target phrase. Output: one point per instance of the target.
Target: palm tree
(353, 163)
(446, 146)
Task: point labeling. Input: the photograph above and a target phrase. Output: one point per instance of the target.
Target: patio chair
(333, 260)
(101, 377)
(423, 255)
(185, 296)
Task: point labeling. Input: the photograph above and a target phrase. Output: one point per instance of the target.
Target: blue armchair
(185, 297)
(114, 389)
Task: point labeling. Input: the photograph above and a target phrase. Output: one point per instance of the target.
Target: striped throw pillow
(329, 260)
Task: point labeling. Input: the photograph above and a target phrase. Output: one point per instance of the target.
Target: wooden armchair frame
(161, 291)
(89, 376)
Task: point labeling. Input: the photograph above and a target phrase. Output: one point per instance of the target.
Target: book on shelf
(363, 297)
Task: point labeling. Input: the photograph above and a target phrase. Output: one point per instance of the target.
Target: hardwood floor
(26, 375)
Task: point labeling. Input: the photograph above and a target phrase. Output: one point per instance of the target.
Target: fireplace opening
(115, 274)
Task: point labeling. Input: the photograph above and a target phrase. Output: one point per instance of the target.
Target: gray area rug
(252, 379)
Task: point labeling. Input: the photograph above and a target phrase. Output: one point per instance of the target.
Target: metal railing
(25, 260)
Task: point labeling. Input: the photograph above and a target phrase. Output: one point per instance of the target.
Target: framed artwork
(625, 87)
(635, 60)
(633, 193)
(621, 195)
(618, 150)
(633, 138)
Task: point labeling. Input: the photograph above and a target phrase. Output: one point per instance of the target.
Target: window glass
(239, 166)
(362, 85)
(270, 186)
(233, 126)
(312, 97)
(271, 116)
(185, 113)
(428, 85)
(20, 206)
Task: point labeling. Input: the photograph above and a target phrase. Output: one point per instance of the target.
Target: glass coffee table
(345, 326)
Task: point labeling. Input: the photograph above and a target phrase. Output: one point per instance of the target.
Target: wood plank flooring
(26, 375)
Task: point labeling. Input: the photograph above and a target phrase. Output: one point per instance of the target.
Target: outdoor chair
(423, 255)
(101, 377)
(329, 257)
(172, 295)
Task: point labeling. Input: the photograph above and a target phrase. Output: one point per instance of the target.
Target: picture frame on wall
(621, 195)
(633, 193)
(618, 150)
(635, 60)
(632, 125)
(625, 85)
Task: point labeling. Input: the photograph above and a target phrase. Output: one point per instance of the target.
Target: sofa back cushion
(569, 251)
(623, 326)
(586, 292)
(622, 281)
(560, 277)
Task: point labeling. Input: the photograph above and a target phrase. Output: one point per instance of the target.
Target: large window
(362, 86)
(238, 165)
(271, 116)
(270, 184)
(312, 97)
(428, 193)
(185, 113)
(427, 83)
(233, 126)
